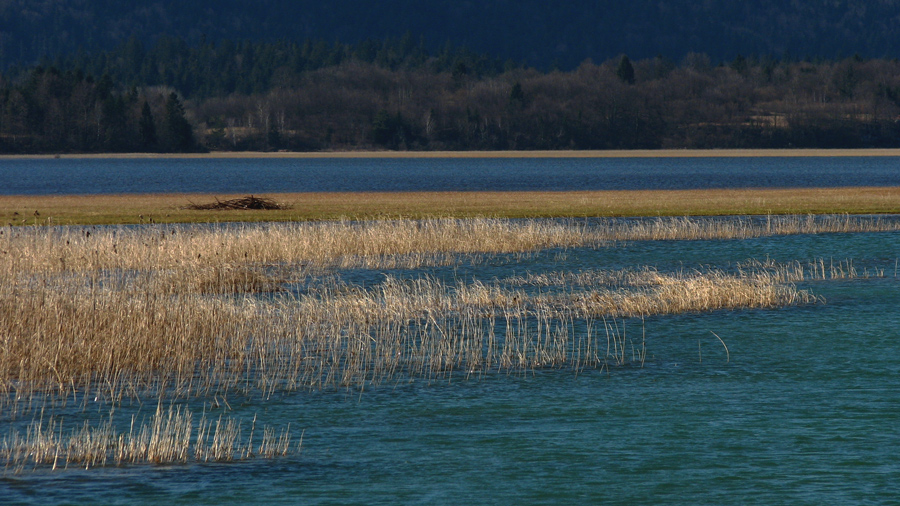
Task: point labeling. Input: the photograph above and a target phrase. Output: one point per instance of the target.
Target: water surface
(98, 176)
(803, 410)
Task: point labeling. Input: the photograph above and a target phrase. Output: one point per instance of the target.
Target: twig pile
(248, 202)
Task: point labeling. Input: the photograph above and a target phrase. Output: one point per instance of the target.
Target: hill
(536, 32)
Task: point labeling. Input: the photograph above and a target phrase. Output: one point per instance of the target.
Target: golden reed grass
(107, 313)
(170, 436)
(86, 343)
(340, 244)
(94, 317)
(374, 244)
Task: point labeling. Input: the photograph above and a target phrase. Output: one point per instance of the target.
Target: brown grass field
(171, 208)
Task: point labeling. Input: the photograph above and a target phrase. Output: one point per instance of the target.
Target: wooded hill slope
(394, 94)
(536, 32)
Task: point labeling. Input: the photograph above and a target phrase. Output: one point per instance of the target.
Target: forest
(397, 94)
(539, 33)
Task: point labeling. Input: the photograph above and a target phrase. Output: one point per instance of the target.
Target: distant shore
(172, 208)
(637, 153)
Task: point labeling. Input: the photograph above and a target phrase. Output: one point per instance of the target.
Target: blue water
(803, 409)
(97, 176)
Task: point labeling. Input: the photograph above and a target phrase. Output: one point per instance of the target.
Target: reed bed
(95, 319)
(110, 344)
(334, 244)
(86, 337)
(376, 244)
(768, 271)
(171, 436)
(79, 343)
(745, 227)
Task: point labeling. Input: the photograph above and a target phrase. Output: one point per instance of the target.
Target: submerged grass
(115, 316)
(116, 312)
(171, 436)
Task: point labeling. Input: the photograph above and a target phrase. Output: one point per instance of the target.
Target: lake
(95, 176)
(802, 409)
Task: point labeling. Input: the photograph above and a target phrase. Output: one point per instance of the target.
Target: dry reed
(102, 316)
(83, 343)
(170, 436)
(378, 244)
(123, 327)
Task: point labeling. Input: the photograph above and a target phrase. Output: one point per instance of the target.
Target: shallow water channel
(798, 405)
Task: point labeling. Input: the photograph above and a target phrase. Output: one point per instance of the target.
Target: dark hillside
(535, 31)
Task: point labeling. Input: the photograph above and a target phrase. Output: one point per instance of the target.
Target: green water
(803, 409)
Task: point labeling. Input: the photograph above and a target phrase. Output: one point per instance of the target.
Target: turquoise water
(803, 409)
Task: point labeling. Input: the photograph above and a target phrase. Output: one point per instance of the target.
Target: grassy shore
(172, 208)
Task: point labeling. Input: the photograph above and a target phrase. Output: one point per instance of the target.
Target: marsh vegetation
(131, 344)
(62, 209)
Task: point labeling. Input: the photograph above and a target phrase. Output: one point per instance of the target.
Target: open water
(92, 176)
(805, 409)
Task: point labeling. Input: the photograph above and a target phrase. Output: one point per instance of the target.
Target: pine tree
(178, 135)
(147, 128)
(625, 71)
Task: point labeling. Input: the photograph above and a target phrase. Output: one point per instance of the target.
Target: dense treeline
(216, 69)
(537, 32)
(62, 107)
(617, 104)
(394, 94)
(54, 111)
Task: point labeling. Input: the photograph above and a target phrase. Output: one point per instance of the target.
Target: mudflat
(174, 208)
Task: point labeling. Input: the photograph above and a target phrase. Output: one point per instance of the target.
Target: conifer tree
(625, 71)
(147, 128)
(178, 135)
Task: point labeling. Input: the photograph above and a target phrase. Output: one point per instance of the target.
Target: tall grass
(100, 318)
(170, 436)
(113, 329)
(376, 244)
(84, 343)
(333, 244)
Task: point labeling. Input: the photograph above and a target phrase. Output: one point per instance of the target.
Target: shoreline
(171, 208)
(638, 153)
